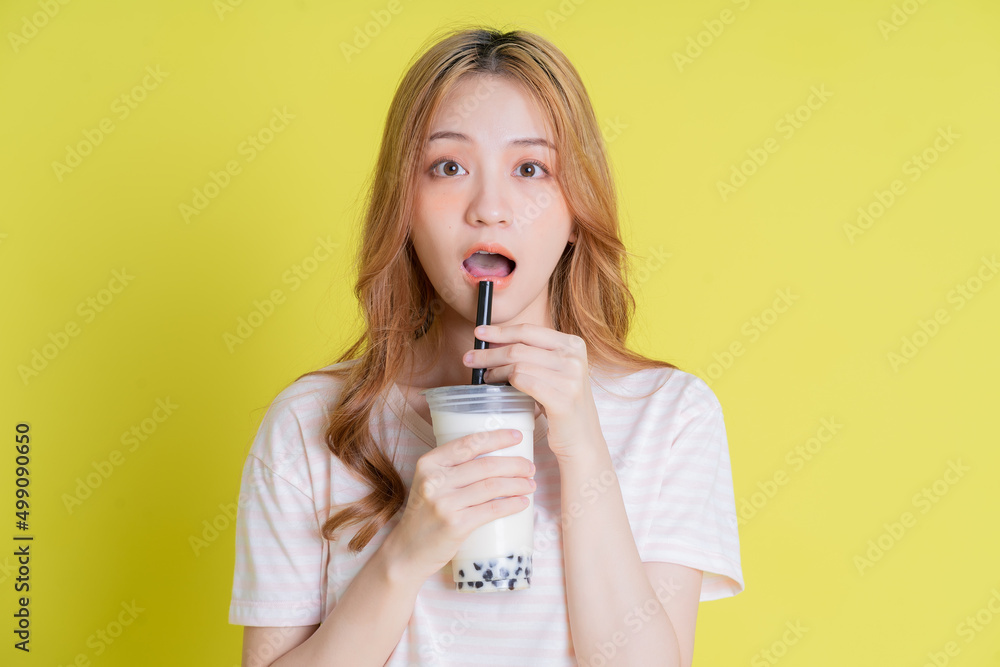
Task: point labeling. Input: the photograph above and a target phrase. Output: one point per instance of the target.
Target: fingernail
(467, 358)
(533, 483)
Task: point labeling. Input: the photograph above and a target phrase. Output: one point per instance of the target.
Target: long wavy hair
(588, 290)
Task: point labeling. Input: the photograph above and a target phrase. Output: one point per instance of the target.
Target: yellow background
(674, 133)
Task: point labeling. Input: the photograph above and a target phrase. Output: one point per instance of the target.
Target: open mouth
(483, 263)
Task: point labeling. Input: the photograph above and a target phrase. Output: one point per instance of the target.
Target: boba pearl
(505, 573)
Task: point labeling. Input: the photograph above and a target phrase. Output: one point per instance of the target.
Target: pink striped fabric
(670, 454)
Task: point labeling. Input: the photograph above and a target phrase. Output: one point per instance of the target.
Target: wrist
(577, 445)
(396, 566)
(584, 459)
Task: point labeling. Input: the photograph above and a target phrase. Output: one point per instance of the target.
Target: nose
(491, 200)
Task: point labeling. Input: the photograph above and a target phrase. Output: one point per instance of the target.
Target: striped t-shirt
(670, 454)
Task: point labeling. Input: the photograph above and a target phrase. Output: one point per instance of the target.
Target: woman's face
(487, 176)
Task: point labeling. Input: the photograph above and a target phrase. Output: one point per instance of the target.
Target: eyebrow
(458, 136)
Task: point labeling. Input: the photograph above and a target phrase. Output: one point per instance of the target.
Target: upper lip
(489, 247)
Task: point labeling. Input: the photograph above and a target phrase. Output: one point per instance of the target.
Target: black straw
(484, 313)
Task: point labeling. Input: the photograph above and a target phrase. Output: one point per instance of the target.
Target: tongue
(481, 266)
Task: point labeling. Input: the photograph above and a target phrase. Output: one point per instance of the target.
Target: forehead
(490, 105)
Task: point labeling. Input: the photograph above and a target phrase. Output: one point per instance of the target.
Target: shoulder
(295, 421)
(304, 392)
(645, 413)
(678, 392)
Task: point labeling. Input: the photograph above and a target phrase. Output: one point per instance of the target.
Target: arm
(608, 589)
(453, 492)
(622, 616)
(262, 645)
(365, 626)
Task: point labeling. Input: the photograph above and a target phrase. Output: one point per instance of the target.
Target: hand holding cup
(453, 493)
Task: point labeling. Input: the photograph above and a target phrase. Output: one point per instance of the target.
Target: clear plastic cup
(497, 555)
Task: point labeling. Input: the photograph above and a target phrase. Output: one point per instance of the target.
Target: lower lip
(498, 282)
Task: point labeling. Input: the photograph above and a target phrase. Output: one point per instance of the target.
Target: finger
(493, 509)
(470, 446)
(514, 353)
(532, 334)
(527, 374)
(489, 489)
(489, 466)
(553, 391)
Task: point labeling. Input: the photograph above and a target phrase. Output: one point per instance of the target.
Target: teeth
(483, 252)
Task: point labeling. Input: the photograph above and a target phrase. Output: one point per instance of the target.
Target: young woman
(349, 514)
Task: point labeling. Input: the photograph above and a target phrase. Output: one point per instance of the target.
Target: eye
(450, 169)
(534, 168)
(530, 169)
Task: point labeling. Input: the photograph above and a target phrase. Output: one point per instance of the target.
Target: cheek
(431, 218)
(559, 205)
(440, 204)
(431, 233)
(557, 220)
(552, 204)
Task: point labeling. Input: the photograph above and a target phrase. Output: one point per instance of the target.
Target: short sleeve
(280, 553)
(694, 522)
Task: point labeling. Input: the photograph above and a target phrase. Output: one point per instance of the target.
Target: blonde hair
(588, 295)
